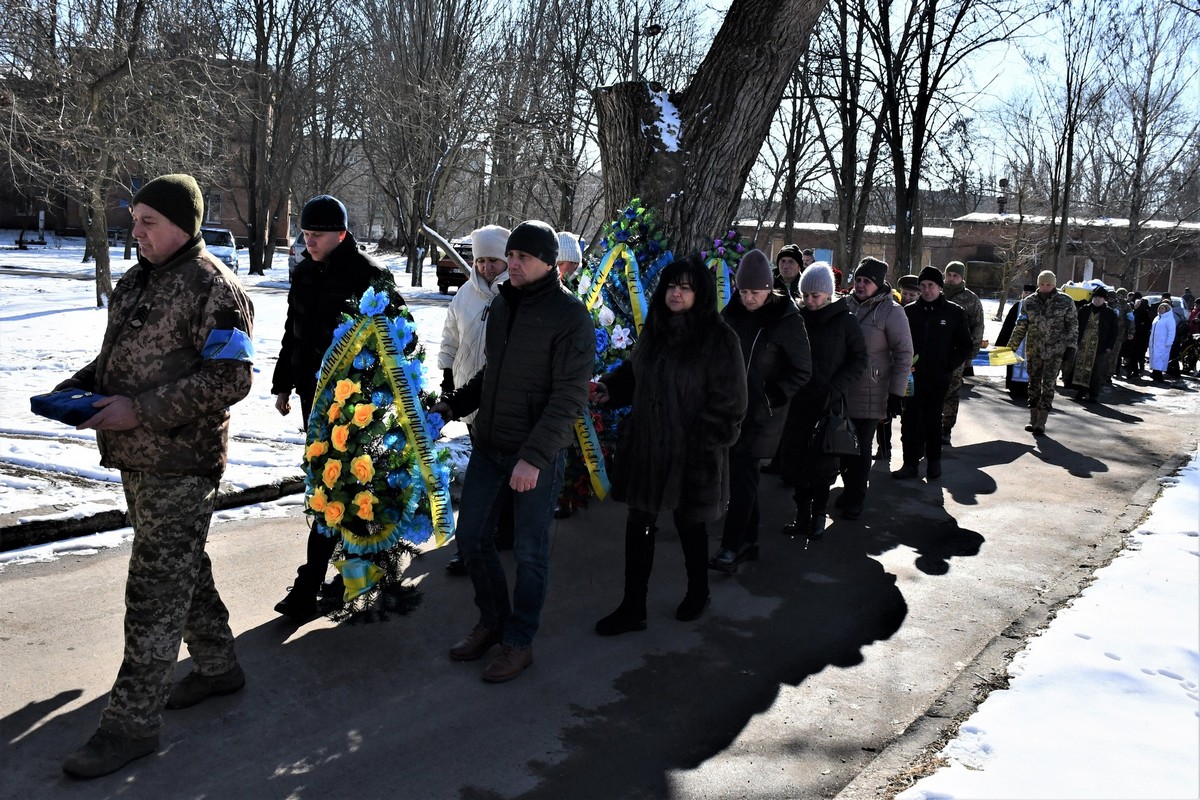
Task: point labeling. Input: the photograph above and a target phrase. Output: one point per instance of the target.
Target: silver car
(220, 242)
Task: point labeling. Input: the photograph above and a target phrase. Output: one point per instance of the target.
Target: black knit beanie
(791, 251)
(324, 213)
(536, 238)
(177, 197)
(873, 270)
(932, 274)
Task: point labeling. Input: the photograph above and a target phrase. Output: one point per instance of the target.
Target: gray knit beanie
(817, 278)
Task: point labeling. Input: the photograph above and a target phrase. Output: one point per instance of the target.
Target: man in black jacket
(540, 345)
(941, 343)
(328, 283)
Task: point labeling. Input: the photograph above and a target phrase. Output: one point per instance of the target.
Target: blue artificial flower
(630, 213)
(601, 340)
(436, 423)
(653, 246)
(364, 360)
(392, 439)
(398, 479)
(401, 330)
(382, 399)
(340, 330)
(373, 302)
(420, 528)
(622, 236)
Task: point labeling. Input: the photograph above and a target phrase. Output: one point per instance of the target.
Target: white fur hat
(489, 242)
(568, 247)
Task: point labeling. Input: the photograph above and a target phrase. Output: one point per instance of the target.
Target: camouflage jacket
(1050, 322)
(968, 301)
(178, 344)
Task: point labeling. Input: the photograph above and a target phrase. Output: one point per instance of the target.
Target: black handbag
(834, 435)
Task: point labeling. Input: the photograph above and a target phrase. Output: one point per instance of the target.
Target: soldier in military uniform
(176, 354)
(956, 292)
(1049, 325)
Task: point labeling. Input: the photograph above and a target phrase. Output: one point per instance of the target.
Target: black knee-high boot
(801, 525)
(694, 538)
(639, 561)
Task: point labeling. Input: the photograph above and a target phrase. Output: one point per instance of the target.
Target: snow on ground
(1104, 703)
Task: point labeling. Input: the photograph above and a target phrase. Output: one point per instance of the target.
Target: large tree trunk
(694, 181)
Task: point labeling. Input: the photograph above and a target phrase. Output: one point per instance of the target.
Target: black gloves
(895, 405)
(447, 381)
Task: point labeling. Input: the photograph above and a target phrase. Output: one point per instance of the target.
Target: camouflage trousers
(169, 596)
(950, 406)
(1043, 372)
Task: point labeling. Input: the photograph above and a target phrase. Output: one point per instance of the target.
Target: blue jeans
(485, 488)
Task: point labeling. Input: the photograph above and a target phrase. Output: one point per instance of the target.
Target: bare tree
(98, 95)
(922, 48)
(419, 104)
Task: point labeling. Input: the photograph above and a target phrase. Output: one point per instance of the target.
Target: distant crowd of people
(712, 395)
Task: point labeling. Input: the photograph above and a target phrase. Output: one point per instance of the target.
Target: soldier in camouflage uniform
(176, 354)
(956, 292)
(1050, 324)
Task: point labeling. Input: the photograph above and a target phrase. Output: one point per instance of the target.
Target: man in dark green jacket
(540, 345)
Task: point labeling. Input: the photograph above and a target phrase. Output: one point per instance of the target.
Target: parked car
(295, 253)
(449, 272)
(220, 243)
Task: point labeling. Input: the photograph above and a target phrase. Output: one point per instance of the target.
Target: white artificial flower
(620, 338)
(585, 283)
(606, 316)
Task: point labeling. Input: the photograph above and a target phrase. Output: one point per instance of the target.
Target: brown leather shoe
(476, 643)
(511, 661)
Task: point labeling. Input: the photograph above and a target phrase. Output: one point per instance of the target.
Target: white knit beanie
(817, 278)
(489, 242)
(568, 247)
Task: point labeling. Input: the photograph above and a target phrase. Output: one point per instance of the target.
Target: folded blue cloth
(71, 406)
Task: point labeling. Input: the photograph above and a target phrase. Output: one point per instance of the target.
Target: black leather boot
(301, 601)
(639, 561)
(694, 538)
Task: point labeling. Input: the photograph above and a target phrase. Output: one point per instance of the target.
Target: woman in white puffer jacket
(461, 354)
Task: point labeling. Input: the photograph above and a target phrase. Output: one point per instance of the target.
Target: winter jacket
(179, 344)
(686, 383)
(969, 302)
(839, 357)
(775, 352)
(1051, 324)
(1162, 336)
(462, 335)
(889, 353)
(941, 338)
(539, 345)
(319, 295)
(791, 290)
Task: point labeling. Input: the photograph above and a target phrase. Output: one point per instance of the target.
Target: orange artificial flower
(335, 412)
(363, 414)
(344, 389)
(362, 469)
(339, 437)
(318, 500)
(315, 450)
(366, 506)
(333, 471)
(334, 513)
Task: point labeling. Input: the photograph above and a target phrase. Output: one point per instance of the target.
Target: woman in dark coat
(687, 387)
(775, 351)
(839, 357)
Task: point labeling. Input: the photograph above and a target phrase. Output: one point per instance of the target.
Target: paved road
(810, 663)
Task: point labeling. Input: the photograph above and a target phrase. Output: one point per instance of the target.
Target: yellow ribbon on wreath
(593, 456)
(725, 280)
(633, 283)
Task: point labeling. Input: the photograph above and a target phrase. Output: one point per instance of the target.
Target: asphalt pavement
(826, 667)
